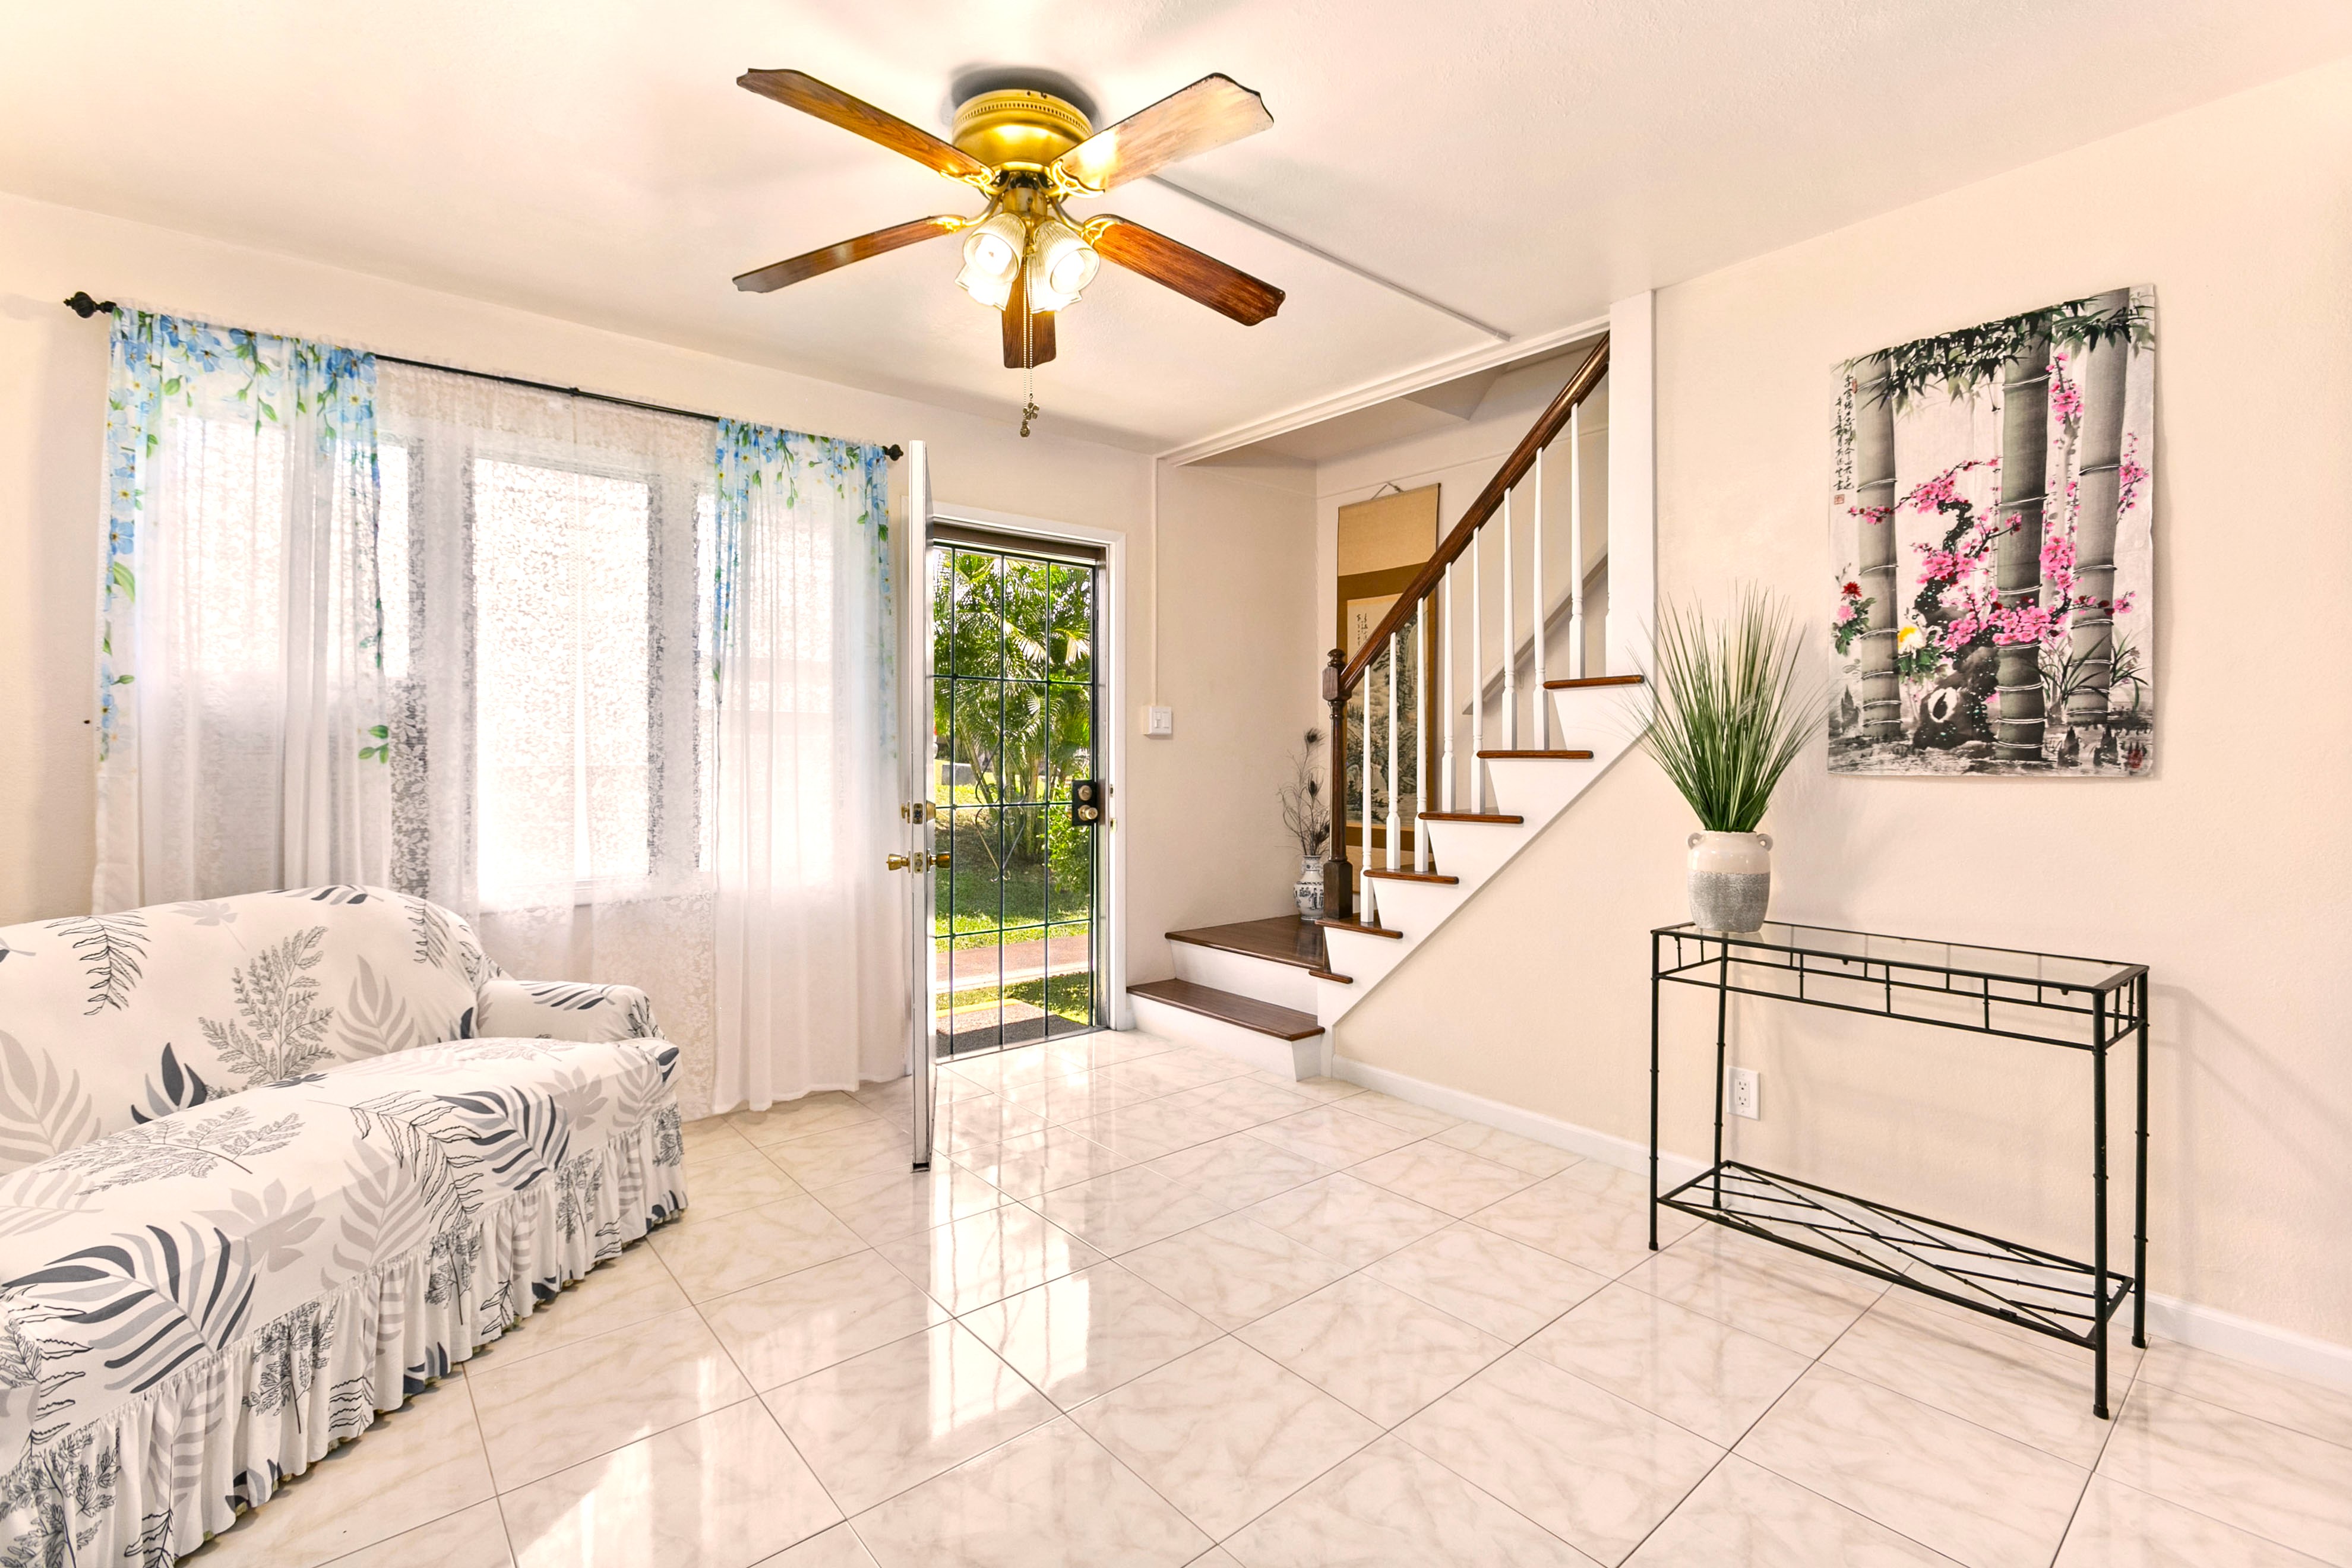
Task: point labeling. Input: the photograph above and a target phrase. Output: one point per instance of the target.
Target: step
(1564, 756)
(1360, 929)
(1336, 979)
(1282, 938)
(1271, 1038)
(1584, 682)
(1504, 818)
(1439, 878)
(1263, 960)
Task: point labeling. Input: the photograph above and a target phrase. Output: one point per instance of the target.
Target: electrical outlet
(1746, 1092)
(1160, 722)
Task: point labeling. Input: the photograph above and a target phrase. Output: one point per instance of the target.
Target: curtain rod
(82, 305)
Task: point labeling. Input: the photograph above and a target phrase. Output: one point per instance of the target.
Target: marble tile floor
(1274, 1325)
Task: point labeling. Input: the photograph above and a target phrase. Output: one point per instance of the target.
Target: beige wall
(1228, 638)
(2229, 872)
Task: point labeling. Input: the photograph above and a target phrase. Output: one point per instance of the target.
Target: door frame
(1110, 728)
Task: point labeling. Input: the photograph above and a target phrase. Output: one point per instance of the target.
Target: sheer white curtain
(811, 970)
(241, 705)
(544, 597)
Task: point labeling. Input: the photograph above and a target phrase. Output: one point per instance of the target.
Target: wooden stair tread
(1438, 876)
(1327, 974)
(1280, 939)
(1244, 1012)
(1361, 929)
(1471, 815)
(1584, 681)
(1571, 756)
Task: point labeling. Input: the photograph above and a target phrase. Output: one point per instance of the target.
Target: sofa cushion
(108, 1021)
(195, 1307)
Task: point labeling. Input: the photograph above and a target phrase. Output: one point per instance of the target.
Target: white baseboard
(2199, 1327)
(2242, 1338)
(1607, 1148)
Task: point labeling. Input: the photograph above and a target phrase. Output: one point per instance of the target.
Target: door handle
(902, 862)
(895, 863)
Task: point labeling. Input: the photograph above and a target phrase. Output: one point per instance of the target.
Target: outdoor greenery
(1014, 652)
(1729, 712)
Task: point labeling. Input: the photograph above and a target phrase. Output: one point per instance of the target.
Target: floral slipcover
(261, 1186)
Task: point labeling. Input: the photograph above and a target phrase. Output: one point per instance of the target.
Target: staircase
(1268, 991)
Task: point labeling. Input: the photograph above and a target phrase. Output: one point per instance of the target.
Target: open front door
(911, 570)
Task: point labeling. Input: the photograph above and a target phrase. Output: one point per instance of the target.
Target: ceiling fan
(1028, 151)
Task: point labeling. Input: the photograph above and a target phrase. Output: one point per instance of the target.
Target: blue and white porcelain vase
(1309, 890)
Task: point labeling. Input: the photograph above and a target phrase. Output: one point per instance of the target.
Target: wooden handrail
(1515, 467)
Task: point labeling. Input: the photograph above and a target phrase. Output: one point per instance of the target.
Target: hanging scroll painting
(1382, 543)
(1991, 542)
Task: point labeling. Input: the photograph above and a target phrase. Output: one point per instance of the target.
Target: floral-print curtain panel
(241, 717)
(811, 968)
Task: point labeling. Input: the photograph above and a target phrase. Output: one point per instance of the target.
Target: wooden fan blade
(777, 273)
(798, 89)
(1211, 112)
(1228, 290)
(1040, 344)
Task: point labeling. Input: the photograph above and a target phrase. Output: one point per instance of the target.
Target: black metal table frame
(2113, 1006)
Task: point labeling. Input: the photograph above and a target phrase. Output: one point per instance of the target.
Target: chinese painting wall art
(1990, 533)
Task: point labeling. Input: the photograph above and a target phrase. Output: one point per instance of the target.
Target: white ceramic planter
(1730, 880)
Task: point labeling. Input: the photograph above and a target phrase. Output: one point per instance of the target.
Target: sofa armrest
(560, 1010)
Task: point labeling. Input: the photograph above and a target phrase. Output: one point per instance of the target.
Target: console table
(2093, 1006)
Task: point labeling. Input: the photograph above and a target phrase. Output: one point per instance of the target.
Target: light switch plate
(1160, 722)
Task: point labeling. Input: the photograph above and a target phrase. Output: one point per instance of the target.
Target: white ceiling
(1522, 163)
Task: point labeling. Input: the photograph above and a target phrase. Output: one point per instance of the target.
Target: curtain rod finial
(893, 451)
(82, 305)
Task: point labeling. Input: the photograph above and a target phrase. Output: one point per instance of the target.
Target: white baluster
(1541, 701)
(1371, 911)
(1445, 713)
(1511, 644)
(1392, 774)
(1477, 683)
(1576, 542)
(1419, 739)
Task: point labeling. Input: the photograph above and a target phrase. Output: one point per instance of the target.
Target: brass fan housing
(1019, 127)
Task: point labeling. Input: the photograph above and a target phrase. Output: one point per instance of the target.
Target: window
(550, 561)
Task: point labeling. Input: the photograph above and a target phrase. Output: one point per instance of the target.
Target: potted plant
(1728, 713)
(1308, 817)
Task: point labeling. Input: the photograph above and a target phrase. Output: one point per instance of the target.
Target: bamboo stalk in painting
(2024, 480)
(2098, 494)
(1874, 464)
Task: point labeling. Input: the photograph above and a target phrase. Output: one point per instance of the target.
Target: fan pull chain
(1028, 367)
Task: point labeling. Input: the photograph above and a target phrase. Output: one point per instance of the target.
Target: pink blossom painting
(1992, 547)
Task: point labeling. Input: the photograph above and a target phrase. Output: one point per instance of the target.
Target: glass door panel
(1016, 705)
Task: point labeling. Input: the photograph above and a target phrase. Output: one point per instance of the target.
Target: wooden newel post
(1338, 876)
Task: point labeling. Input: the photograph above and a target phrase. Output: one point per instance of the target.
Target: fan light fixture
(1027, 151)
(992, 257)
(1061, 264)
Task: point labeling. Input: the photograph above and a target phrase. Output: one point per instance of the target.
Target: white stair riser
(1290, 1058)
(1366, 960)
(1284, 985)
(1415, 909)
(1539, 788)
(1596, 718)
(1473, 851)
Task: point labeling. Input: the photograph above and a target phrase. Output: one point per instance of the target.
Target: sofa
(268, 1165)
